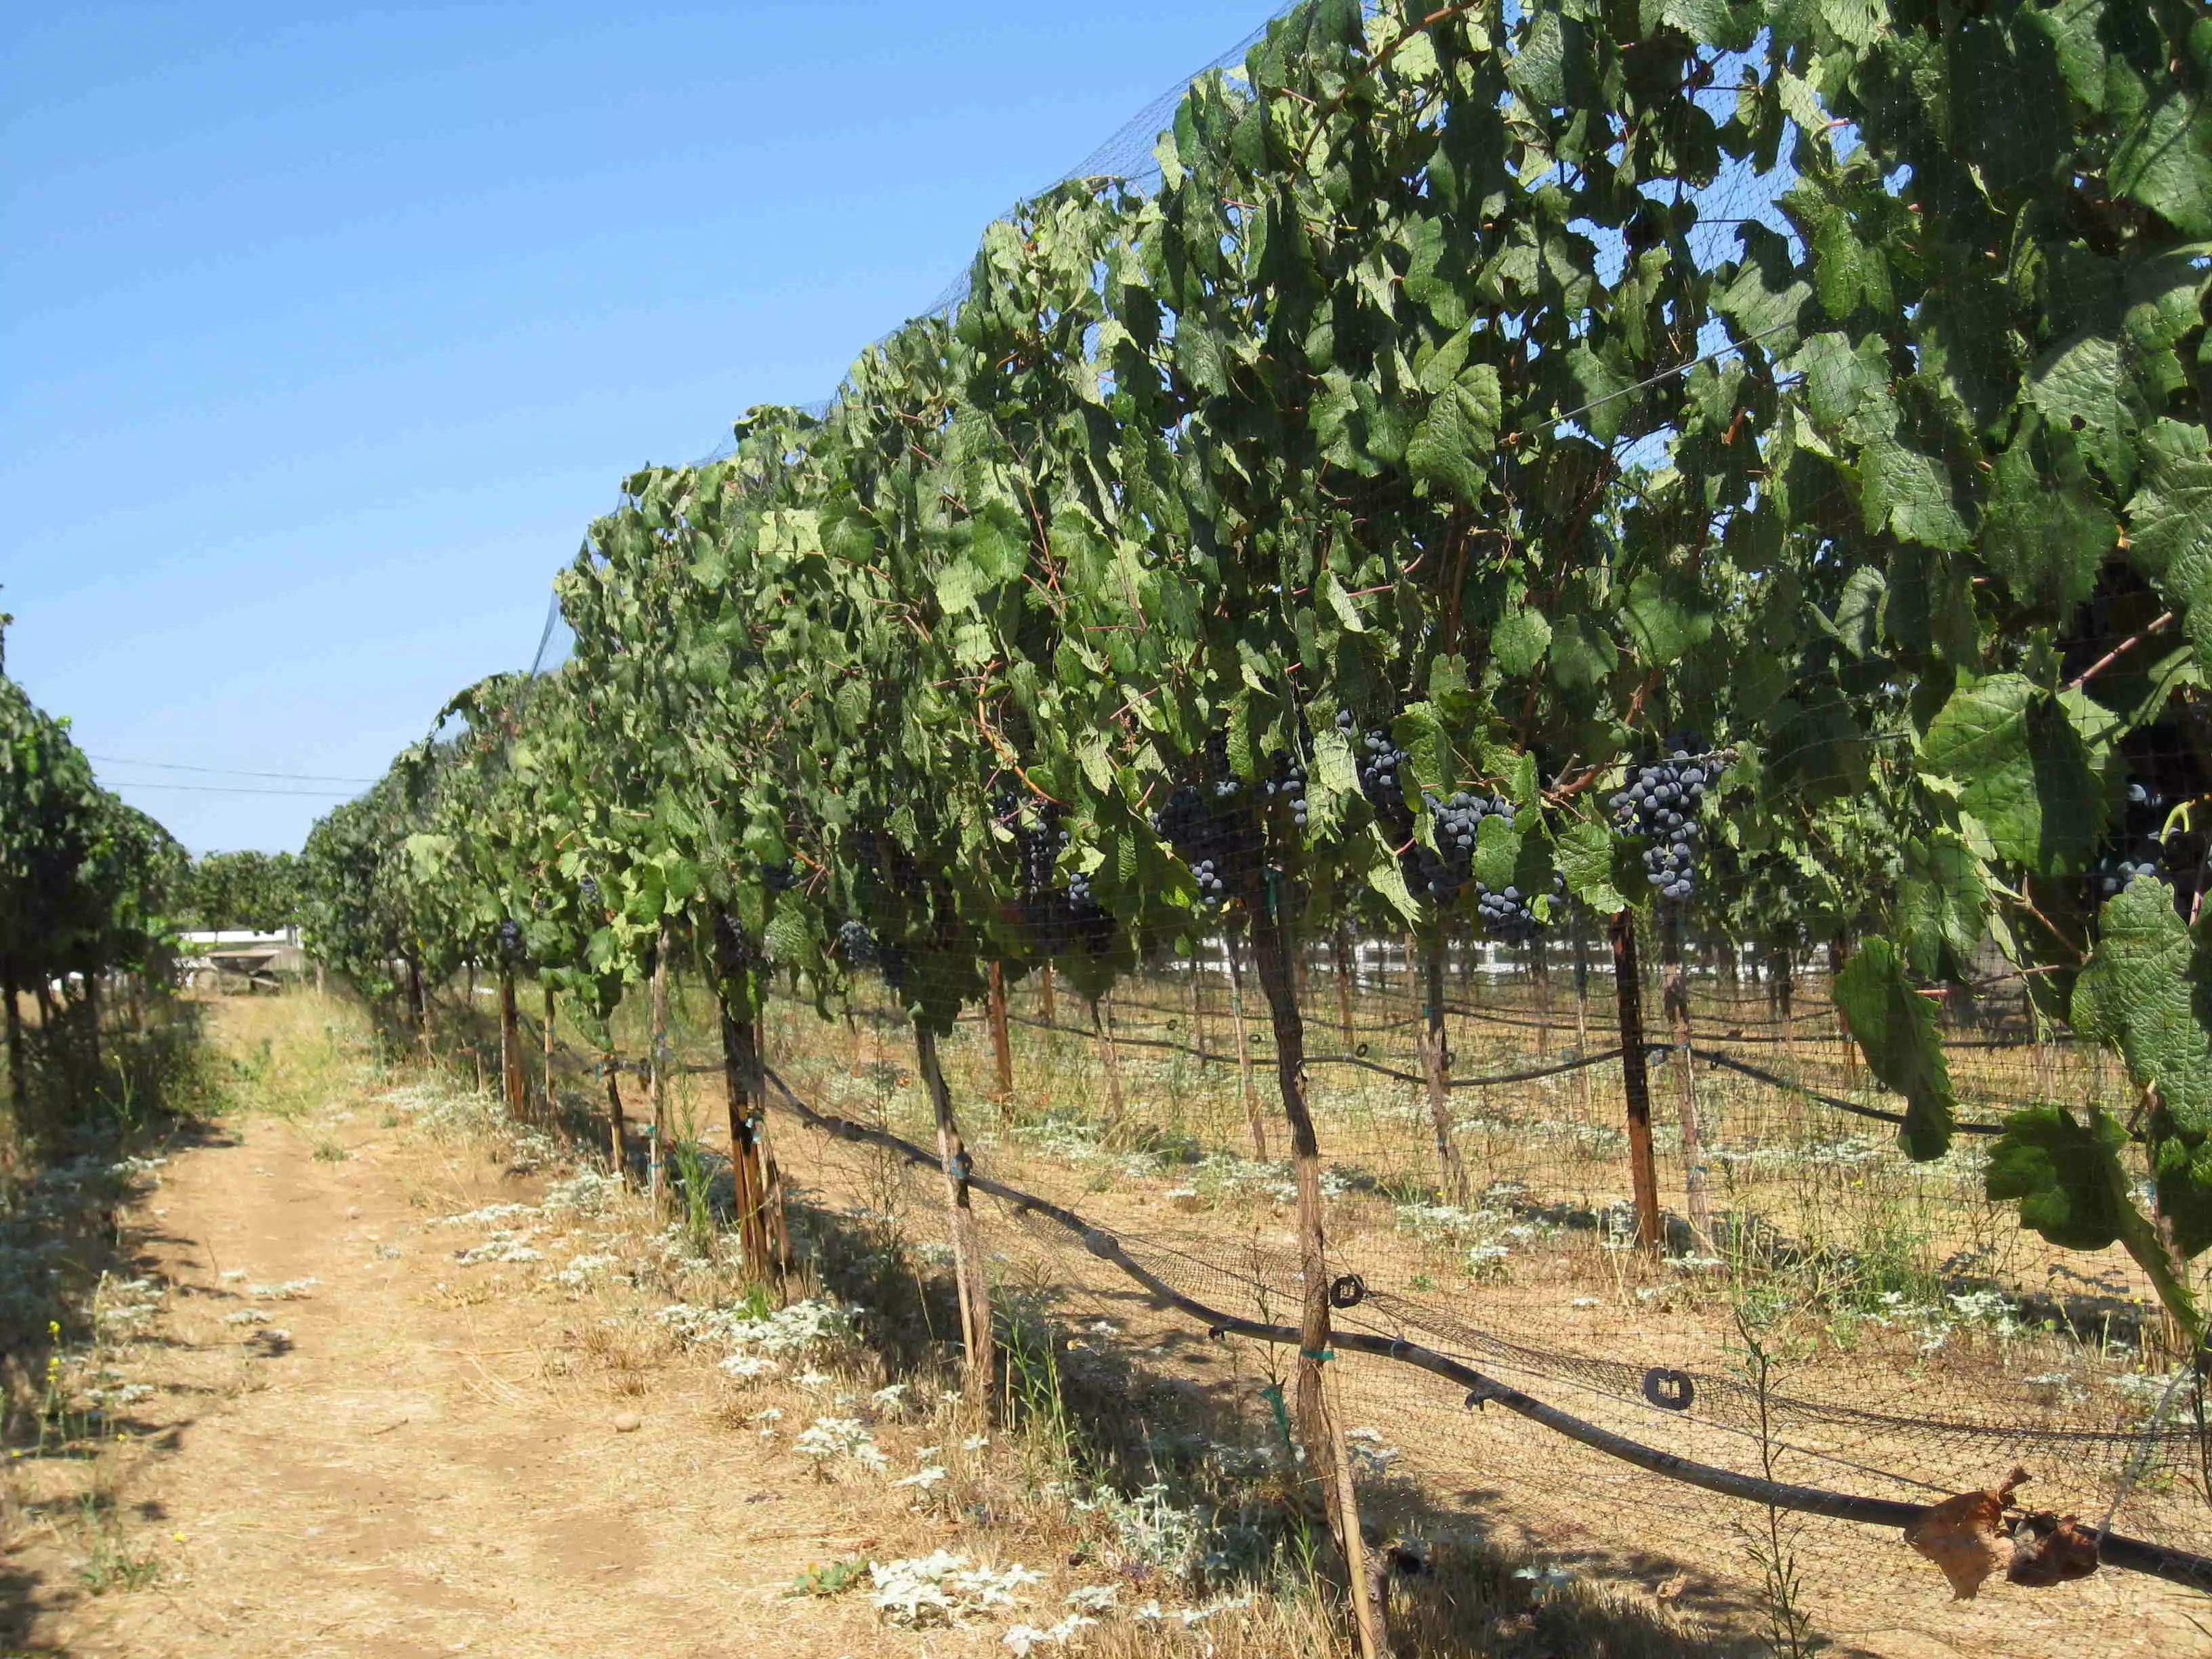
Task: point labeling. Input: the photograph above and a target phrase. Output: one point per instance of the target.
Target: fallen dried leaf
(2055, 1550)
(1964, 1535)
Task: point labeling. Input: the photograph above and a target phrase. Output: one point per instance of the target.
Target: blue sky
(325, 329)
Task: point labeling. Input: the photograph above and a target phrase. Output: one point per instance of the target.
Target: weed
(329, 1151)
(831, 1577)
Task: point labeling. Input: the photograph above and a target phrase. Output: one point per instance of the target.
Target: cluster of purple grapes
(1510, 916)
(1055, 918)
(856, 944)
(510, 940)
(1438, 876)
(2174, 855)
(1379, 760)
(1661, 803)
(1205, 836)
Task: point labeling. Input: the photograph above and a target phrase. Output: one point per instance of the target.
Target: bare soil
(415, 1459)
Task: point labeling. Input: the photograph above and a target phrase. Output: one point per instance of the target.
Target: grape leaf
(2066, 1175)
(2147, 993)
(2021, 770)
(1895, 1028)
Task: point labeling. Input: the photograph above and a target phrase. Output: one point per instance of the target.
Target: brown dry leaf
(1672, 1589)
(2057, 1550)
(1963, 1536)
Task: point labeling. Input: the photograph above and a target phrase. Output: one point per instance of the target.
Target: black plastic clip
(1347, 1292)
(1478, 1398)
(1669, 1390)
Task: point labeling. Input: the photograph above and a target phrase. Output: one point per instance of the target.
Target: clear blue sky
(325, 329)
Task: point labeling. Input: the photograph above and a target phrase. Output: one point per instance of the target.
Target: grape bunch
(2114, 874)
(779, 878)
(590, 889)
(1379, 760)
(1288, 784)
(856, 944)
(2174, 855)
(1510, 916)
(510, 940)
(1439, 875)
(1206, 836)
(1661, 805)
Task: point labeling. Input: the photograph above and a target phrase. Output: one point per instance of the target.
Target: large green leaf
(2021, 770)
(2066, 1175)
(1895, 1028)
(2147, 993)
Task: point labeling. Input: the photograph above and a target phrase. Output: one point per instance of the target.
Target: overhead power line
(244, 789)
(226, 771)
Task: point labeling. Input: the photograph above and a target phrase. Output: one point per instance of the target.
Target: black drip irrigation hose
(2118, 1550)
(1728, 1063)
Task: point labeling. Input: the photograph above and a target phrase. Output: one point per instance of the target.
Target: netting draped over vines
(1596, 481)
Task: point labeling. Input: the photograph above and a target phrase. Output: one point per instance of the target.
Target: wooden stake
(1685, 1090)
(971, 1268)
(1340, 954)
(618, 1148)
(1628, 998)
(1101, 1023)
(1326, 1454)
(549, 1052)
(512, 1086)
(657, 1004)
(1002, 1048)
(9, 991)
(1253, 1120)
(1429, 1036)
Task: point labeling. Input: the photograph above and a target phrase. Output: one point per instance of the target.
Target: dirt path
(405, 1462)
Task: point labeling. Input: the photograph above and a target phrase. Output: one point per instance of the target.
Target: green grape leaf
(1519, 639)
(1585, 852)
(2021, 771)
(2066, 1175)
(1497, 851)
(2166, 162)
(1581, 653)
(2147, 994)
(1451, 443)
(1895, 1028)
(1666, 615)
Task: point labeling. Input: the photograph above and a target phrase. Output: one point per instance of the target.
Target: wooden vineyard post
(1628, 997)
(1253, 1120)
(549, 1051)
(1839, 954)
(617, 1146)
(1540, 978)
(1685, 1090)
(420, 1004)
(1002, 1048)
(10, 991)
(1101, 1023)
(657, 1006)
(1051, 1003)
(745, 1090)
(1197, 1004)
(513, 1087)
(1783, 975)
(1435, 1061)
(970, 1269)
(1339, 957)
(1582, 1012)
(1326, 1454)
